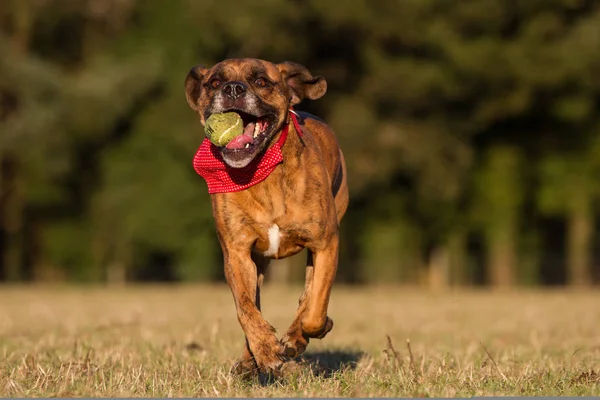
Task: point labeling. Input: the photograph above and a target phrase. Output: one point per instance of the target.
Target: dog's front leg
(243, 279)
(315, 323)
(294, 340)
(311, 319)
(247, 365)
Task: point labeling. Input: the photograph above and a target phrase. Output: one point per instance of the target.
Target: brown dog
(299, 205)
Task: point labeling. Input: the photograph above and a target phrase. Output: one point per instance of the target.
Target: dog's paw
(269, 355)
(327, 329)
(317, 331)
(294, 343)
(292, 368)
(245, 368)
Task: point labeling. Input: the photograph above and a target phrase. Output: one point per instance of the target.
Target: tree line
(471, 132)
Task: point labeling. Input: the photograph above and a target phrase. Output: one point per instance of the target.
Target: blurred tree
(498, 206)
(570, 186)
(458, 120)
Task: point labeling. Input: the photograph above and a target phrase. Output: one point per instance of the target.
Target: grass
(182, 340)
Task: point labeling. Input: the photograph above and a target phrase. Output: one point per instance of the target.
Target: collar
(221, 178)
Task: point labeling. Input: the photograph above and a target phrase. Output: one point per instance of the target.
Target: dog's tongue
(240, 141)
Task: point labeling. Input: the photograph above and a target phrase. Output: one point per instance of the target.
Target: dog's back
(327, 142)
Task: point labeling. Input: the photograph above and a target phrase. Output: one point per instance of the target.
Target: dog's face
(259, 91)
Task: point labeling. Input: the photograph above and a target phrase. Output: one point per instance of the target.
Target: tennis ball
(221, 128)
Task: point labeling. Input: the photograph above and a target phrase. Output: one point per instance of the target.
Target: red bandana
(221, 178)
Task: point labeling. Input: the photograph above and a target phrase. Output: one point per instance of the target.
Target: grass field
(182, 341)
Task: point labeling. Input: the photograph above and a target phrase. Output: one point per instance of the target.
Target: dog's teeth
(247, 145)
(256, 129)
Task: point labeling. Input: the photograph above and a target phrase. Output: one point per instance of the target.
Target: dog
(297, 199)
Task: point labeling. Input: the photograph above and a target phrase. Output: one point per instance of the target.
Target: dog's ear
(193, 85)
(301, 83)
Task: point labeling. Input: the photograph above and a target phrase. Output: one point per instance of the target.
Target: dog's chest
(285, 217)
(276, 241)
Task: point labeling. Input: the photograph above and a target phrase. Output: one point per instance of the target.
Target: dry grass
(182, 340)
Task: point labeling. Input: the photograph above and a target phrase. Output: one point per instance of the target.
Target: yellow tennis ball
(221, 128)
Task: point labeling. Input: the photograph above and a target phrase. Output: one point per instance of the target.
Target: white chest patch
(273, 234)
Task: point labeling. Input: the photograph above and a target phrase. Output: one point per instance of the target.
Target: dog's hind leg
(262, 263)
(246, 367)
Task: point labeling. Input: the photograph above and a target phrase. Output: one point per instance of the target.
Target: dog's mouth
(242, 149)
(256, 130)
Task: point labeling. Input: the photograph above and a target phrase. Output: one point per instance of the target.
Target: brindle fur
(306, 196)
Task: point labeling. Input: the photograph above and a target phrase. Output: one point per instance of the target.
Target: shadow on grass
(323, 364)
(326, 363)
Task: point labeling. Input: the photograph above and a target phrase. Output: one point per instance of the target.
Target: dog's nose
(234, 89)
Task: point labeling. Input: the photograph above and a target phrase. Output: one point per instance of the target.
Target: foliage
(468, 129)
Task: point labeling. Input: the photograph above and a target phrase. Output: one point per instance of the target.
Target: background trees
(471, 131)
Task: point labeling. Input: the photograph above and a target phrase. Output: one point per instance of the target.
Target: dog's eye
(261, 82)
(215, 83)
